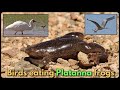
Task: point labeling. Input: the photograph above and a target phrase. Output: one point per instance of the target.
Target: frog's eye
(77, 36)
(87, 47)
(37, 51)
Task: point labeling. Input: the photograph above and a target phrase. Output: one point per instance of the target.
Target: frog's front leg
(94, 58)
(39, 62)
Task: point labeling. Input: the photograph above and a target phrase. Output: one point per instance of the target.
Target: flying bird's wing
(95, 23)
(106, 20)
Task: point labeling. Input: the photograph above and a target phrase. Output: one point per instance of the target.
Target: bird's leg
(16, 32)
(22, 32)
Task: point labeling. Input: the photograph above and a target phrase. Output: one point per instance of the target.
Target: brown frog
(66, 47)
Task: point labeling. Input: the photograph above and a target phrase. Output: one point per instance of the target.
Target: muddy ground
(59, 24)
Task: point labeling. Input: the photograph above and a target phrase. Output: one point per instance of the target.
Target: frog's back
(57, 47)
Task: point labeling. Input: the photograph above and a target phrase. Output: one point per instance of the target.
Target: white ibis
(20, 26)
(102, 26)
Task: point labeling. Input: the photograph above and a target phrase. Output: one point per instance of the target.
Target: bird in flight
(43, 26)
(102, 26)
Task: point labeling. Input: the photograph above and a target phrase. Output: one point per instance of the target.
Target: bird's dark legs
(16, 32)
(22, 32)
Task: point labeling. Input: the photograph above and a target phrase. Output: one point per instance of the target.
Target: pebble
(6, 48)
(107, 44)
(114, 67)
(11, 52)
(75, 67)
(83, 57)
(116, 39)
(74, 16)
(72, 62)
(53, 21)
(63, 62)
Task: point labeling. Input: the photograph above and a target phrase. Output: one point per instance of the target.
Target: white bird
(20, 26)
(102, 26)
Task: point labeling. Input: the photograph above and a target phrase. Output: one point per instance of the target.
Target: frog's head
(96, 48)
(31, 51)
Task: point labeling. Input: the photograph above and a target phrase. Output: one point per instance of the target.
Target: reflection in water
(36, 31)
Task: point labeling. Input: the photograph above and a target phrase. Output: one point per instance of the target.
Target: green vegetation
(10, 18)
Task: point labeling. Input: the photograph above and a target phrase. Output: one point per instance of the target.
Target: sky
(90, 26)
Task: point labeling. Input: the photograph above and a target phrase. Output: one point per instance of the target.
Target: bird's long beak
(34, 21)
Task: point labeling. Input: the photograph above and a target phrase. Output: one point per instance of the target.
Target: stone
(72, 62)
(116, 39)
(75, 67)
(114, 68)
(107, 44)
(83, 58)
(11, 52)
(63, 62)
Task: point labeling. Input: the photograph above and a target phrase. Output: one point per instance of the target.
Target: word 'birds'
(20, 26)
(102, 26)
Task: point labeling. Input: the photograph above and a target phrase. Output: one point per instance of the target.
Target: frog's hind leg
(38, 62)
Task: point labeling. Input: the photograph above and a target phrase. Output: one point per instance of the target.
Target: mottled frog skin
(66, 47)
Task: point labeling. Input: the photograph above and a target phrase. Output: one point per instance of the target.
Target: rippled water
(36, 31)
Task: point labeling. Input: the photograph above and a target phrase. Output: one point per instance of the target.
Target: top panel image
(25, 24)
(100, 24)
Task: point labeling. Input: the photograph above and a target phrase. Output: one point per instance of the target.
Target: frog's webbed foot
(38, 62)
(85, 66)
(94, 58)
(97, 58)
(104, 57)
